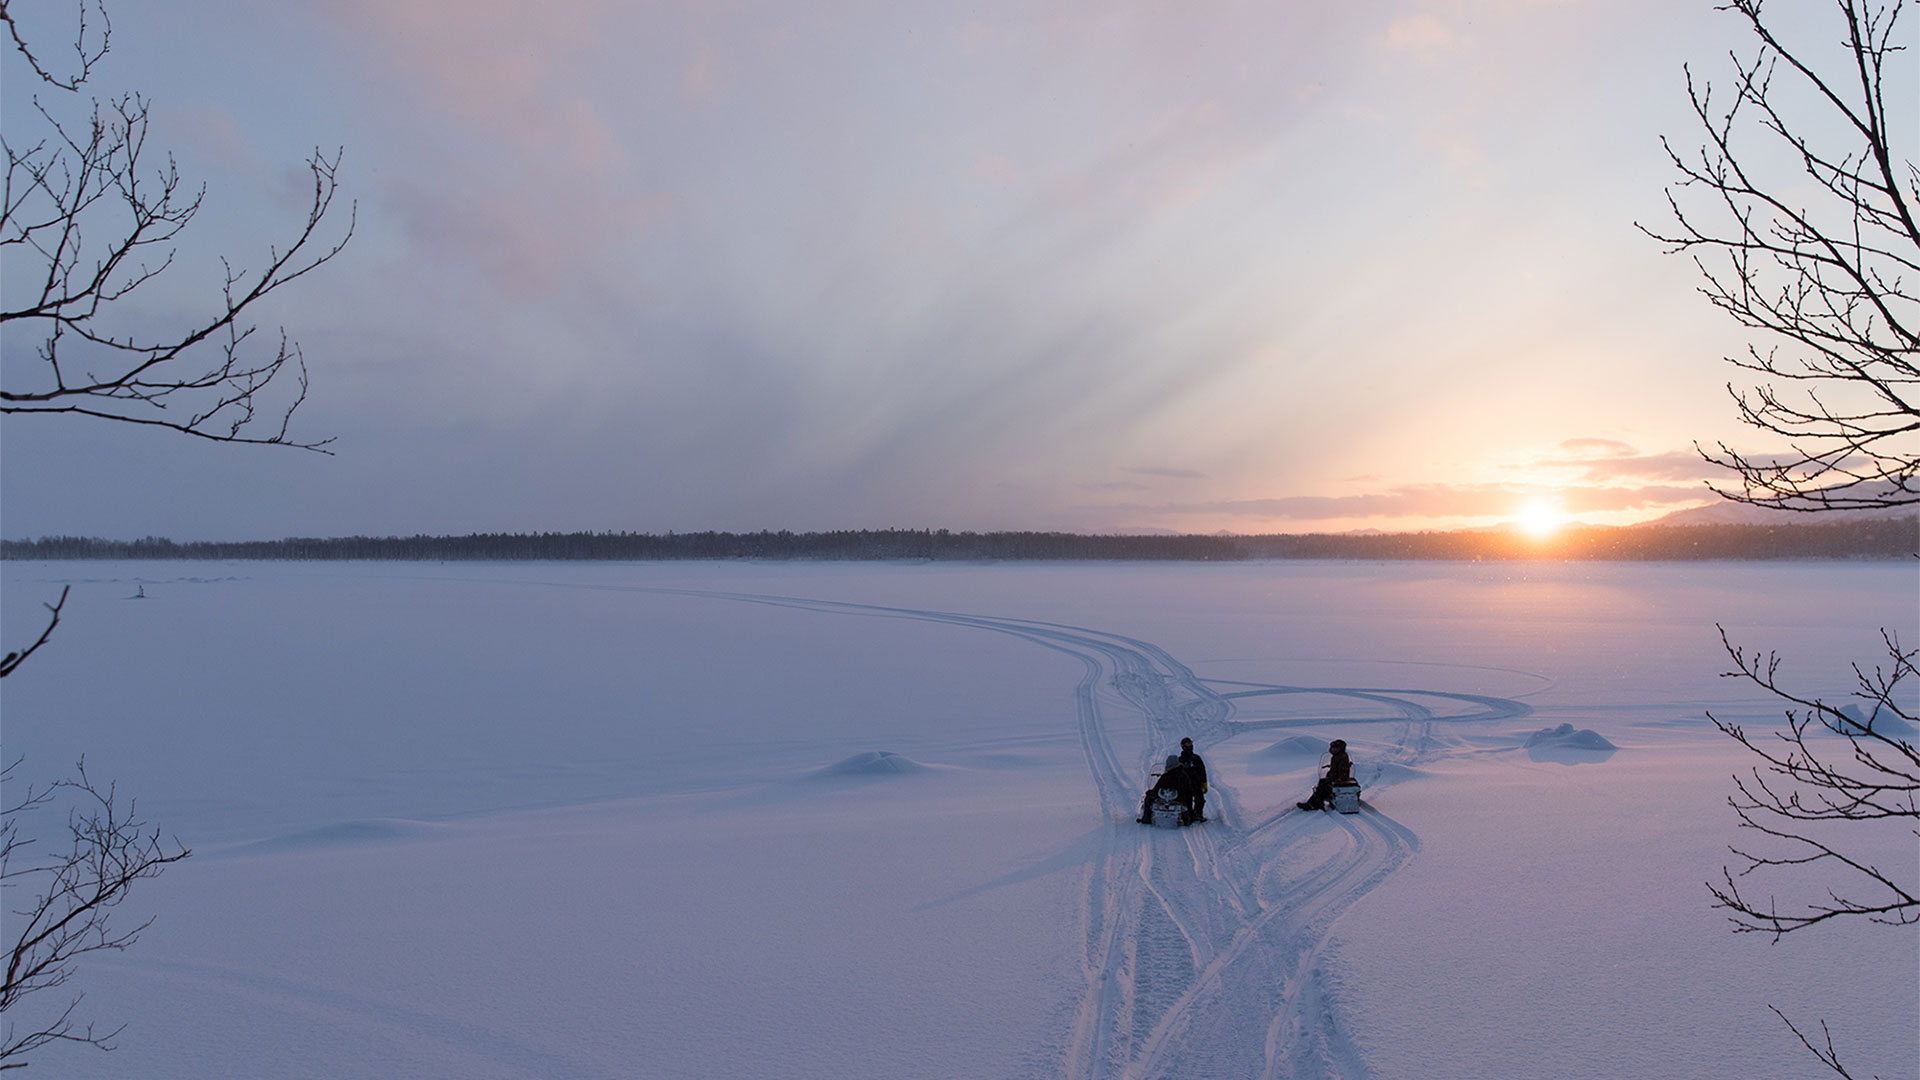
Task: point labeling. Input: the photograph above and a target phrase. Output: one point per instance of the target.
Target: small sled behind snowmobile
(1346, 797)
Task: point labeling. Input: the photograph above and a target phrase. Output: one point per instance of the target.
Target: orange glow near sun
(1539, 519)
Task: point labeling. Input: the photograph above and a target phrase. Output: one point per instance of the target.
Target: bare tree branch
(1831, 764)
(89, 219)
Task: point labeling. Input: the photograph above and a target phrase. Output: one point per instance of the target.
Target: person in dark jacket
(1177, 780)
(1339, 771)
(1198, 769)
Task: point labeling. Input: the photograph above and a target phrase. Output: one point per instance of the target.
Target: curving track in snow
(1203, 946)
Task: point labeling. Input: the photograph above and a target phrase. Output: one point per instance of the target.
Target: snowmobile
(1169, 801)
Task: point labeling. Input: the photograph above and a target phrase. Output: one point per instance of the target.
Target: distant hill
(1727, 512)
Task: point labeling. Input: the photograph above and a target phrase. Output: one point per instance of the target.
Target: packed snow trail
(1202, 946)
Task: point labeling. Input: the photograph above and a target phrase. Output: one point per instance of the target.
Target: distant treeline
(1841, 538)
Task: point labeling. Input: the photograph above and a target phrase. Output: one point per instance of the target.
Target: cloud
(1602, 461)
(1435, 501)
(525, 247)
(1421, 35)
(997, 170)
(493, 72)
(1674, 465)
(1168, 473)
(1597, 448)
(210, 128)
(701, 80)
(1587, 499)
(485, 61)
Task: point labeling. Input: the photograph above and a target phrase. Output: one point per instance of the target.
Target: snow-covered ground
(875, 821)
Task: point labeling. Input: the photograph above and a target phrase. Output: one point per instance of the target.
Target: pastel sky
(1103, 266)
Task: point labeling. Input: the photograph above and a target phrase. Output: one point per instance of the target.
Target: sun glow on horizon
(1539, 518)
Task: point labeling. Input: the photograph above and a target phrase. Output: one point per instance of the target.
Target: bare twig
(1824, 1051)
(86, 54)
(13, 660)
(73, 893)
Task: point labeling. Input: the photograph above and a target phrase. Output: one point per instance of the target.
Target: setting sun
(1539, 519)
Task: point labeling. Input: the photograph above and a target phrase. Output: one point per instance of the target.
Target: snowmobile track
(1203, 946)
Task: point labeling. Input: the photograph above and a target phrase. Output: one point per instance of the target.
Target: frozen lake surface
(875, 820)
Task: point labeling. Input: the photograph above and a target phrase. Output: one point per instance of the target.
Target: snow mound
(1290, 753)
(872, 765)
(1565, 737)
(1294, 746)
(1879, 721)
(343, 834)
(1564, 746)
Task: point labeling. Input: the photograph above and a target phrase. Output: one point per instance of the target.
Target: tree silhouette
(1800, 211)
(87, 219)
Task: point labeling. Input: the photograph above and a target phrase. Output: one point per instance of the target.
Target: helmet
(1337, 744)
(1186, 744)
